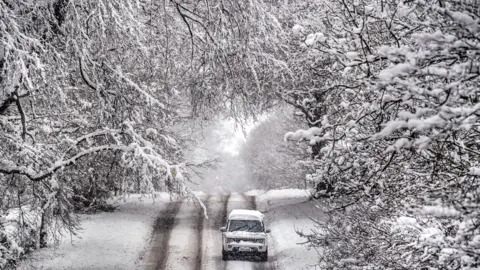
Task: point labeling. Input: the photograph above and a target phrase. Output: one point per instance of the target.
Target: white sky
(232, 138)
(223, 140)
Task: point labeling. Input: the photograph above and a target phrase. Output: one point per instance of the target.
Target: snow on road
(184, 247)
(108, 240)
(284, 222)
(193, 242)
(217, 212)
(181, 237)
(157, 253)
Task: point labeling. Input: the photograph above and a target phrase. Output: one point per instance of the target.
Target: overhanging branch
(30, 174)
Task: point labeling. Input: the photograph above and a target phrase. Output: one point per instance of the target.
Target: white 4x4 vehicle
(245, 233)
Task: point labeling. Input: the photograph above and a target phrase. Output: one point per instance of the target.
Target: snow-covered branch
(7, 168)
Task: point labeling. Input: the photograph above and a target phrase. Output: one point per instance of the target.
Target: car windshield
(245, 226)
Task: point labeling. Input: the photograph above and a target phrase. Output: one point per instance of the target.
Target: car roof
(242, 214)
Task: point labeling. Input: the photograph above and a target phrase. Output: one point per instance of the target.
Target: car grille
(252, 240)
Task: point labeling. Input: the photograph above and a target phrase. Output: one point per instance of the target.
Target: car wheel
(224, 255)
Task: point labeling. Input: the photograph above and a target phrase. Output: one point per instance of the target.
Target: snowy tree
(91, 91)
(394, 129)
(272, 163)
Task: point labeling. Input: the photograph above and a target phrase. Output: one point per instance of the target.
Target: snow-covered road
(166, 234)
(184, 239)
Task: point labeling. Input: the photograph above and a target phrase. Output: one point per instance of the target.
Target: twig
(22, 115)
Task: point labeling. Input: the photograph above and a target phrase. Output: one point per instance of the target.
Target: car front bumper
(245, 248)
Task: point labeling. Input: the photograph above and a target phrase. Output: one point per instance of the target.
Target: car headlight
(229, 240)
(261, 241)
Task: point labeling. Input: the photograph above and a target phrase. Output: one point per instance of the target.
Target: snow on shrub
(18, 235)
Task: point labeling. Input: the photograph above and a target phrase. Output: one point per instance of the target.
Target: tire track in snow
(184, 245)
(224, 211)
(182, 221)
(251, 202)
(222, 222)
(200, 231)
(212, 239)
(162, 231)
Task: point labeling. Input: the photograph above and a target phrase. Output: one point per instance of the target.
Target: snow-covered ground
(287, 211)
(284, 222)
(114, 240)
(268, 200)
(120, 240)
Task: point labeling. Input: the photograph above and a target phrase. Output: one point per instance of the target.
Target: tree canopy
(91, 92)
(385, 94)
(394, 126)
